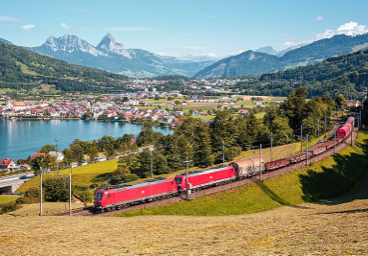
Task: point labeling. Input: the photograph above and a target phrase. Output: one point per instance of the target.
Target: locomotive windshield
(178, 180)
(99, 195)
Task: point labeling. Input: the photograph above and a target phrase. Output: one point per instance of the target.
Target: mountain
(282, 53)
(315, 52)
(267, 49)
(246, 63)
(5, 41)
(346, 74)
(110, 55)
(22, 68)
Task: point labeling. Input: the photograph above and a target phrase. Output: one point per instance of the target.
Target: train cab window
(178, 180)
(99, 195)
(108, 196)
(172, 183)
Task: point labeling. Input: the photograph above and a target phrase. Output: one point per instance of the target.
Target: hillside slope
(22, 68)
(312, 53)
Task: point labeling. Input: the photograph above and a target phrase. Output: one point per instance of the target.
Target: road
(8, 180)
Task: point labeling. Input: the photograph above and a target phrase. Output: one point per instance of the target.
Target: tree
(47, 148)
(294, 107)
(281, 130)
(340, 101)
(77, 153)
(122, 175)
(56, 189)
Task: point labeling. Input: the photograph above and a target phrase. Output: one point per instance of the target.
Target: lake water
(21, 138)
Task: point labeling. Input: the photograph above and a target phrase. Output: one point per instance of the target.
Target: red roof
(37, 155)
(6, 162)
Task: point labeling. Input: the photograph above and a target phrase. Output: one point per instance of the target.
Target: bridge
(9, 184)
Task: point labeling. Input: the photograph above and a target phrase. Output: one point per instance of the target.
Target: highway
(9, 180)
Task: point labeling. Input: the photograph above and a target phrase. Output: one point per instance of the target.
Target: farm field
(336, 227)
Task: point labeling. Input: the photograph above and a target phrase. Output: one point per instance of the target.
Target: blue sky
(178, 27)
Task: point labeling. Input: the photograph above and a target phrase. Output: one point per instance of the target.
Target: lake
(21, 138)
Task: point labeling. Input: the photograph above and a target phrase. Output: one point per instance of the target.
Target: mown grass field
(80, 175)
(48, 208)
(331, 177)
(337, 228)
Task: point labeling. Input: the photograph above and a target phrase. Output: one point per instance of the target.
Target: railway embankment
(328, 176)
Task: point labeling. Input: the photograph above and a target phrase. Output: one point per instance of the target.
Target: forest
(346, 74)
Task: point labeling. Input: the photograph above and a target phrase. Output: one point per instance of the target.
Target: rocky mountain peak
(109, 44)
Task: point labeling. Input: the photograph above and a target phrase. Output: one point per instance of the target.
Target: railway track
(257, 178)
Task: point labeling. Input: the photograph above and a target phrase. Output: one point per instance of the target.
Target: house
(58, 155)
(38, 155)
(20, 105)
(352, 103)
(242, 112)
(8, 164)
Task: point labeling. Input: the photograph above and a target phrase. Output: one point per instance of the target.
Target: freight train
(159, 188)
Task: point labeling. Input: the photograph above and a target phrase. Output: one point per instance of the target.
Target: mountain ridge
(112, 56)
(311, 53)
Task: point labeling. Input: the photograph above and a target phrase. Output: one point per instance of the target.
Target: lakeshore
(21, 138)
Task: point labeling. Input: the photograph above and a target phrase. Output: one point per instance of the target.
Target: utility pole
(260, 162)
(57, 153)
(325, 126)
(223, 152)
(40, 191)
(360, 120)
(271, 144)
(151, 165)
(70, 195)
(351, 135)
(307, 150)
(335, 139)
(252, 107)
(318, 130)
(186, 176)
(301, 138)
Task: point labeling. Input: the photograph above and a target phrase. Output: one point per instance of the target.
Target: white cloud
(63, 25)
(350, 29)
(131, 29)
(288, 43)
(27, 27)
(319, 18)
(8, 19)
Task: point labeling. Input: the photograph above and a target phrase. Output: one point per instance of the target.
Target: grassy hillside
(21, 68)
(329, 178)
(81, 175)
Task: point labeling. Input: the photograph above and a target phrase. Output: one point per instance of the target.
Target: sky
(184, 27)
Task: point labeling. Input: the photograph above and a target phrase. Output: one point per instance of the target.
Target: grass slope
(7, 199)
(329, 178)
(80, 175)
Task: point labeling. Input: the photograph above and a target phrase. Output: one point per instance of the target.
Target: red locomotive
(159, 188)
(139, 192)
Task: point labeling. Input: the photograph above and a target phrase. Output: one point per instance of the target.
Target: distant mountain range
(266, 59)
(23, 69)
(110, 55)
